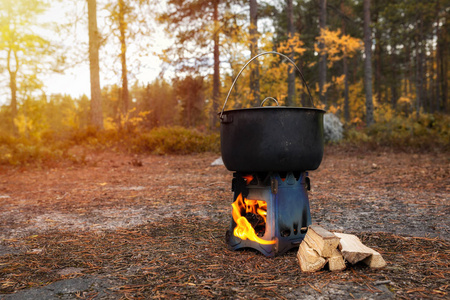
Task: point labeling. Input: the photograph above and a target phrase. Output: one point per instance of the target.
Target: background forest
(381, 66)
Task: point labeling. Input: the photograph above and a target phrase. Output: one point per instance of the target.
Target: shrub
(425, 132)
(18, 153)
(175, 140)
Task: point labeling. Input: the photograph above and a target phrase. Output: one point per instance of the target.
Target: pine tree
(368, 64)
(94, 64)
(291, 69)
(254, 67)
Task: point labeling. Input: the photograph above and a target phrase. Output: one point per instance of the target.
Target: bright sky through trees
(75, 78)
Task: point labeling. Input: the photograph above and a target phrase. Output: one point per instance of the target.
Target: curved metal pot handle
(253, 58)
(269, 98)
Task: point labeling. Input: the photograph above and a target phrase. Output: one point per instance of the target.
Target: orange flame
(248, 178)
(244, 229)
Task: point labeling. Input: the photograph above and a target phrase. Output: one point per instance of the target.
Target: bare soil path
(140, 227)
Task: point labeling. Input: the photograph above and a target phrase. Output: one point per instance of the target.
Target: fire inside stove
(250, 217)
(270, 212)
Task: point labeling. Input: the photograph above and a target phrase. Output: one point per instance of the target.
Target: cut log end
(336, 261)
(309, 259)
(355, 251)
(320, 247)
(375, 260)
(321, 240)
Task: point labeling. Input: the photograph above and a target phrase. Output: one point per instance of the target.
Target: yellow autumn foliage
(23, 124)
(404, 100)
(272, 71)
(292, 45)
(339, 80)
(356, 100)
(337, 45)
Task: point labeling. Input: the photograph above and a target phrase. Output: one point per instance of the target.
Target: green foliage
(160, 140)
(190, 92)
(427, 132)
(20, 151)
(54, 146)
(175, 140)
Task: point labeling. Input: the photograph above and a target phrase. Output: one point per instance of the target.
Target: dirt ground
(119, 226)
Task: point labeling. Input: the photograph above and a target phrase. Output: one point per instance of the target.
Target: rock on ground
(333, 129)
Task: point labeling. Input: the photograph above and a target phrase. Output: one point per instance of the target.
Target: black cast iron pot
(276, 138)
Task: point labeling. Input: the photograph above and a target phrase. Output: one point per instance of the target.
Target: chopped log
(321, 240)
(375, 260)
(354, 251)
(336, 261)
(309, 259)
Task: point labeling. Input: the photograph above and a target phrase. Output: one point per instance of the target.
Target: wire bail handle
(269, 98)
(252, 59)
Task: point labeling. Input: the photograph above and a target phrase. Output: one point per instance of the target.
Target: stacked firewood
(321, 248)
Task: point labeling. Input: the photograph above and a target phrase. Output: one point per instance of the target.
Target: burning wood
(320, 247)
(250, 215)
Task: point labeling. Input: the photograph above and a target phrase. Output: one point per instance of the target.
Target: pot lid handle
(269, 98)
(252, 59)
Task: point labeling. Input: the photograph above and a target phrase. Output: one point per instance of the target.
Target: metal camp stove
(284, 215)
(270, 149)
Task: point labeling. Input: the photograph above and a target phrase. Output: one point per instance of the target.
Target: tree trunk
(438, 73)
(378, 63)
(13, 86)
(441, 62)
(94, 45)
(346, 101)
(410, 71)
(368, 64)
(345, 67)
(425, 79)
(291, 70)
(254, 67)
(394, 83)
(444, 69)
(419, 83)
(407, 73)
(216, 75)
(419, 67)
(323, 56)
(123, 57)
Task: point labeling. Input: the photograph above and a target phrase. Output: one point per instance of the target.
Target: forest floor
(119, 226)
